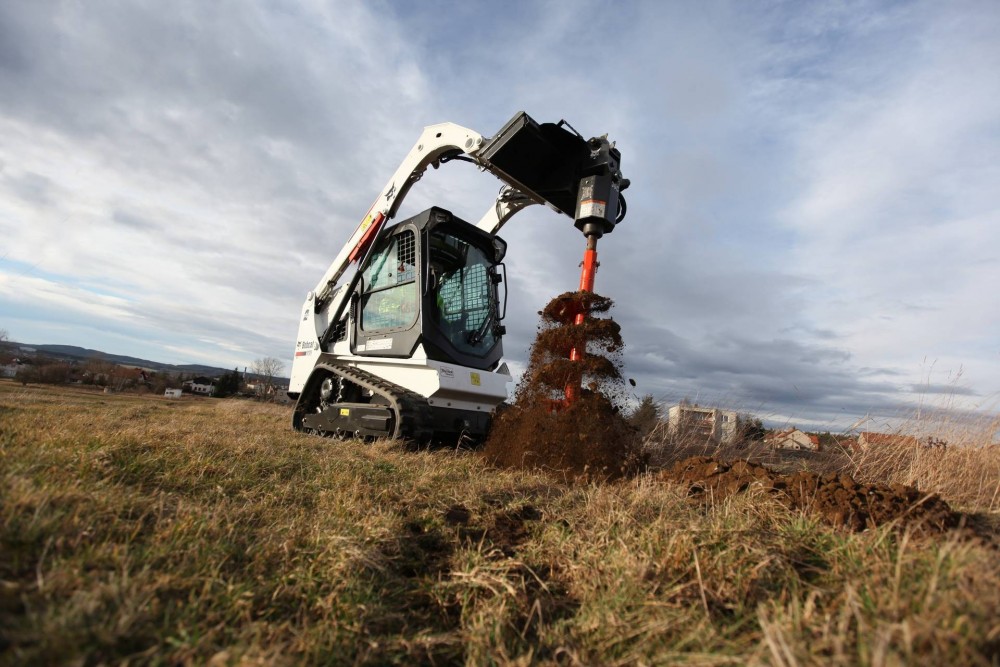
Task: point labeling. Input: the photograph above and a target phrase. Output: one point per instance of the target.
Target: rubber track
(413, 414)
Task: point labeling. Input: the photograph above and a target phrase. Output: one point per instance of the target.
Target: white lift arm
(530, 146)
(444, 140)
(435, 142)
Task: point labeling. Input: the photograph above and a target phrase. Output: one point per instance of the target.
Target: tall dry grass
(144, 531)
(963, 468)
(664, 448)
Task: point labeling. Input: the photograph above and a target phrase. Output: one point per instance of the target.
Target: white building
(792, 438)
(10, 370)
(200, 385)
(172, 393)
(712, 424)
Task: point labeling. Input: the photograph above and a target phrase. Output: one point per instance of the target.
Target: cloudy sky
(814, 221)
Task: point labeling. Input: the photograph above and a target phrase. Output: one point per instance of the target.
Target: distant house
(712, 424)
(847, 443)
(115, 376)
(268, 389)
(792, 438)
(172, 393)
(11, 367)
(866, 440)
(200, 385)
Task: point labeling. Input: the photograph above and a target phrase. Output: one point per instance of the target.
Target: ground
(200, 531)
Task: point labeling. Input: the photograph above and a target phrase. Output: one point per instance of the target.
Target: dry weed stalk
(955, 457)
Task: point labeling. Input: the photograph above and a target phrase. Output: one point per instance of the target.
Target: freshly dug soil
(838, 499)
(587, 438)
(591, 439)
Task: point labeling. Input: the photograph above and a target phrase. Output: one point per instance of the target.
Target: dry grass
(966, 471)
(147, 531)
(665, 449)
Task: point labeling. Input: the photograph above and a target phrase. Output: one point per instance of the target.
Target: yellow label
(475, 379)
(345, 412)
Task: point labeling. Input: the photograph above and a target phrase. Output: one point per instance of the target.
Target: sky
(813, 230)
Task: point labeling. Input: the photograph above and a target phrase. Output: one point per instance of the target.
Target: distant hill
(74, 353)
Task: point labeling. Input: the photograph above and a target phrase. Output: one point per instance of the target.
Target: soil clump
(837, 498)
(589, 438)
(584, 438)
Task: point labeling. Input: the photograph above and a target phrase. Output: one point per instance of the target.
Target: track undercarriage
(346, 402)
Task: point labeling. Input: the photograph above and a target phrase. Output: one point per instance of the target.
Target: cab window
(390, 285)
(463, 294)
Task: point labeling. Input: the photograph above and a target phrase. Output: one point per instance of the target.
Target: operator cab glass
(433, 281)
(464, 297)
(390, 299)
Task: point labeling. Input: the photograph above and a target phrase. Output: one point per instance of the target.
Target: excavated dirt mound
(838, 499)
(588, 437)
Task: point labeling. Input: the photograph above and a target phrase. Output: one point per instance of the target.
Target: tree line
(260, 383)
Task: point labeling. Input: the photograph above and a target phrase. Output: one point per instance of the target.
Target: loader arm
(435, 142)
(538, 164)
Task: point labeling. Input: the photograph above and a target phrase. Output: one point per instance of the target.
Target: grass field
(144, 530)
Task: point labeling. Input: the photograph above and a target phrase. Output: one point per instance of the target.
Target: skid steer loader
(402, 335)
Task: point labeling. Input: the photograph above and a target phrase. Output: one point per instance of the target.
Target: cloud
(811, 215)
(895, 209)
(945, 389)
(134, 221)
(31, 188)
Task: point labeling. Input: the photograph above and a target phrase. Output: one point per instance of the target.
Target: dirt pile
(587, 437)
(838, 499)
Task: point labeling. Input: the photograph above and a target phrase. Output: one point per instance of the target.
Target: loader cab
(433, 281)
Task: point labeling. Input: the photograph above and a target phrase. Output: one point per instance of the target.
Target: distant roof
(782, 434)
(889, 439)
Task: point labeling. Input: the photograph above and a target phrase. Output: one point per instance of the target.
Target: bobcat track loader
(402, 335)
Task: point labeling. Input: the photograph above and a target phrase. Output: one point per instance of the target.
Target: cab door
(386, 303)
